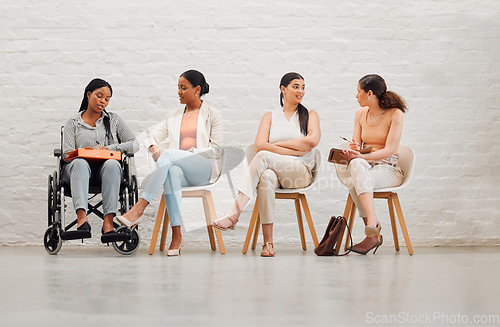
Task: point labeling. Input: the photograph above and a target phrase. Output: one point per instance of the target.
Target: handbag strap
(350, 238)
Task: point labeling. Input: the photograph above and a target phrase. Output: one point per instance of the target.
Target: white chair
(205, 194)
(406, 162)
(293, 194)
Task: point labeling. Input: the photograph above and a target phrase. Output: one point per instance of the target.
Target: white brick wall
(442, 57)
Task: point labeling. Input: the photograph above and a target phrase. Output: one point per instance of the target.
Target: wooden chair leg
(212, 217)
(393, 222)
(307, 213)
(156, 230)
(210, 229)
(402, 223)
(164, 230)
(251, 226)
(352, 216)
(349, 209)
(300, 222)
(256, 232)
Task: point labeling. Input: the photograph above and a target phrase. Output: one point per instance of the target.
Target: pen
(345, 139)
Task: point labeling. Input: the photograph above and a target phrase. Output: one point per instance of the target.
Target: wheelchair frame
(58, 190)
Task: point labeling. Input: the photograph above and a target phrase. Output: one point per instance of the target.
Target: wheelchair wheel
(50, 208)
(129, 246)
(52, 240)
(136, 189)
(134, 193)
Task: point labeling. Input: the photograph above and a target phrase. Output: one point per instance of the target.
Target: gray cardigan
(79, 134)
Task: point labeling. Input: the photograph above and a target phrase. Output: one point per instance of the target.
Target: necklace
(192, 111)
(377, 122)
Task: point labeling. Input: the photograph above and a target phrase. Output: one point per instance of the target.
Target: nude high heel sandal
(370, 232)
(174, 252)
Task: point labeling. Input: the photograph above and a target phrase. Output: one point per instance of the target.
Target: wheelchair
(125, 242)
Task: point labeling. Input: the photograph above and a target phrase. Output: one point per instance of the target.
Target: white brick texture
(441, 56)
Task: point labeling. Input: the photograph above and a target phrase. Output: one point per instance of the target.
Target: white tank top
(284, 130)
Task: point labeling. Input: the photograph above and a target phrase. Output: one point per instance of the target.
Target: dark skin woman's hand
(156, 152)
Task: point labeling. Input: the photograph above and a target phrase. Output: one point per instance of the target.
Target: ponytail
(107, 127)
(387, 99)
(390, 100)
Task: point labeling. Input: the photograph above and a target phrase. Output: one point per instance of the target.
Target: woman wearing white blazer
(193, 157)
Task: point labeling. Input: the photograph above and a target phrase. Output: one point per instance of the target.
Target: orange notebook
(94, 155)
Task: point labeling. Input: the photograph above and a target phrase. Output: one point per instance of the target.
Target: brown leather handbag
(332, 237)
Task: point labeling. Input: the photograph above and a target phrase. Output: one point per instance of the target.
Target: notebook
(94, 155)
(337, 157)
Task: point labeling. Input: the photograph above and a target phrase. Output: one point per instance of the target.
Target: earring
(195, 94)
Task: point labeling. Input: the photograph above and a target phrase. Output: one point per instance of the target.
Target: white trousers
(266, 173)
(362, 177)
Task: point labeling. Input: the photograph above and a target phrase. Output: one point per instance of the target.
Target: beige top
(187, 139)
(375, 133)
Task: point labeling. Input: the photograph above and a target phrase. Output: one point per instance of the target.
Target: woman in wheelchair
(193, 158)
(284, 144)
(94, 127)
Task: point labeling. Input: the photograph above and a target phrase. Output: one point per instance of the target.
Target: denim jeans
(173, 170)
(79, 172)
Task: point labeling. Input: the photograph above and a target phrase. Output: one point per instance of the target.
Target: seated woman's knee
(164, 159)
(112, 165)
(263, 155)
(356, 162)
(79, 164)
(175, 171)
(268, 179)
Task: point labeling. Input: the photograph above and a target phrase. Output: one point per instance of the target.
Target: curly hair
(387, 99)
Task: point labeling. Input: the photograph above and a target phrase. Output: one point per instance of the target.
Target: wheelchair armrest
(129, 155)
(57, 152)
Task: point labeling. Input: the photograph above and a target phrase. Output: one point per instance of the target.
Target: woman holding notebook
(95, 127)
(379, 124)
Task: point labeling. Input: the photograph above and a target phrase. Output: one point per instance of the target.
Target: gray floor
(86, 286)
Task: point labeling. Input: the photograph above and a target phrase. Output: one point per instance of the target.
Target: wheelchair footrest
(75, 235)
(115, 237)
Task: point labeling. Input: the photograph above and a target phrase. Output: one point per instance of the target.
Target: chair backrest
(249, 153)
(316, 168)
(406, 162)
